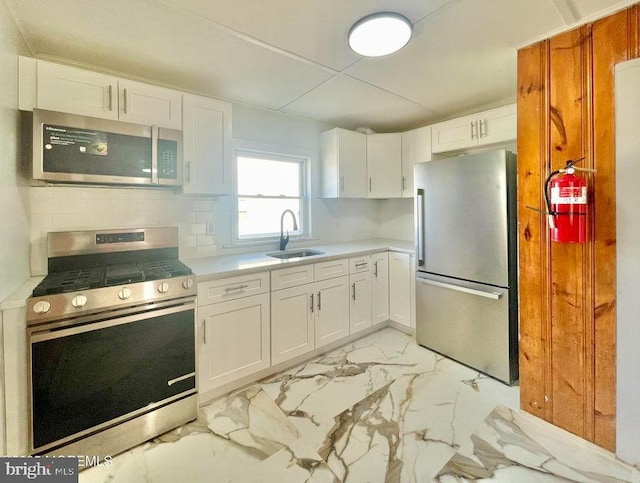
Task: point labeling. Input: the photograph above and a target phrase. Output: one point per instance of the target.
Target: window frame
(275, 153)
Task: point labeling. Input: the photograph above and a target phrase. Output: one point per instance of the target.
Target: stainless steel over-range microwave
(68, 148)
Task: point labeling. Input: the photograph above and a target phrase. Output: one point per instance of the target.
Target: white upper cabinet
(416, 148)
(206, 145)
(56, 87)
(76, 91)
(484, 128)
(146, 104)
(343, 161)
(384, 161)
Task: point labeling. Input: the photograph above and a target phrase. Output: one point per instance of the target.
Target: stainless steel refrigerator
(466, 260)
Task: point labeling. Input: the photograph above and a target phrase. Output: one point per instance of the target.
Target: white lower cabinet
(234, 340)
(360, 301)
(332, 314)
(250, 322)
(379, 288)
(292, 322)
(400, 295)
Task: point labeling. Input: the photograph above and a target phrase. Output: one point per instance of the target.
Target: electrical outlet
(210, 226)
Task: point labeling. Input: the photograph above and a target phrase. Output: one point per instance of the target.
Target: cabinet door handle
(189, 172)
(110, 94)
(375, 269)
(204, 331)
(341, 184)
(404, 183)
(369, 185)
(312, 303)
(473, 130)
(319, 301)
(237, 287)
(483, 128)
(353, 289)
(124, 106)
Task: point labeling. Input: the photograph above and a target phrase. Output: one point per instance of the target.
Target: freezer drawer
(468, 322)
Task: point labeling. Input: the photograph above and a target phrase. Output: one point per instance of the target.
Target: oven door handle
(171, 382)
(39, 333)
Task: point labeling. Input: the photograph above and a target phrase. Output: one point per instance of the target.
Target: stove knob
(79, 301)
(42, 307)
(163, 287)
(188, 283)
(124, 294)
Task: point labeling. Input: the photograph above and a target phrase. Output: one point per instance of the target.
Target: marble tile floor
(381, 409)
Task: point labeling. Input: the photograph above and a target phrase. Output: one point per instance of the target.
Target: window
(268, 184)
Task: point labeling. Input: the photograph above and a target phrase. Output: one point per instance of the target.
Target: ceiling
(292, 55)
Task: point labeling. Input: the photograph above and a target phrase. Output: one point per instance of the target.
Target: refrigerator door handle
(480, 293)
(419, 227)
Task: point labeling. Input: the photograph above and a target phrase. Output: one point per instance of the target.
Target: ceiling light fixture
(379, 34)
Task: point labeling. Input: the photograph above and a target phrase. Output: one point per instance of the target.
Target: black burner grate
(164, 269)
(70, 281)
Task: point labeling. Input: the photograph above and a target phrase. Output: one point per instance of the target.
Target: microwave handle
(154, 155)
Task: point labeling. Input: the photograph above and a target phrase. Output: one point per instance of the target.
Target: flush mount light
(379, 34)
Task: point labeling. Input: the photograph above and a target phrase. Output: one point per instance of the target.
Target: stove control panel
(73, 304)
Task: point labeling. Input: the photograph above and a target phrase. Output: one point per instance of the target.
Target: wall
(60, 208)
(14, 202)
(568, 292)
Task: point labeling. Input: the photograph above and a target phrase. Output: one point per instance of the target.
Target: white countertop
(211, 268)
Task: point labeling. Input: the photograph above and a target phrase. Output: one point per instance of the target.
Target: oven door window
(86, 376)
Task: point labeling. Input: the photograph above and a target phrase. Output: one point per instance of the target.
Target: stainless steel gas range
(111, 332)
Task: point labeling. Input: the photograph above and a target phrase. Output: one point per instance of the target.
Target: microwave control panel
(167, 159)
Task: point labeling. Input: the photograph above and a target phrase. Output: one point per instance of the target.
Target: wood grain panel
(567, 305)
(568, 70)
(613, 39)
(532, 233)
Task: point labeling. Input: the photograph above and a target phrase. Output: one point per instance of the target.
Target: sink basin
(303, 252)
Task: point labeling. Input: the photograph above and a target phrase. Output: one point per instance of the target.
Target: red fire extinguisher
(566, 199)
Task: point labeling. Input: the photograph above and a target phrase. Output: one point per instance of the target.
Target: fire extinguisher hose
(546, 191)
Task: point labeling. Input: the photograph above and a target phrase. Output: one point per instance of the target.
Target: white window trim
(277, 151)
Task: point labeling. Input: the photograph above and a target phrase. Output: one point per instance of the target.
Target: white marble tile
(129, 466)
(511, 445)
(251, 420)
(381, 409)
(298, 462)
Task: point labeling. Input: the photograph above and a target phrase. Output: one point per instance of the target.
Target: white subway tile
(204, 240)
(197, 228)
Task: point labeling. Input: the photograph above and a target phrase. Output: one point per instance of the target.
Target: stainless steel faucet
(284, 240)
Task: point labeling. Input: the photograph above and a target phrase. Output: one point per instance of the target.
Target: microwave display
(80, 149)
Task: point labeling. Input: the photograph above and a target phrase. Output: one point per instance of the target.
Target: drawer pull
(361, 264)
(237, 287)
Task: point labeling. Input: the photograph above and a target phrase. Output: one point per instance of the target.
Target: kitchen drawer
(359, 264)
(291, 277)
(331, 269)
(232, 288)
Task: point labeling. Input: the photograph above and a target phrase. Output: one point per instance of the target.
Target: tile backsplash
(62, 208)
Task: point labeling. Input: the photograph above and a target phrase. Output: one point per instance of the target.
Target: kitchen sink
(285, 255)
